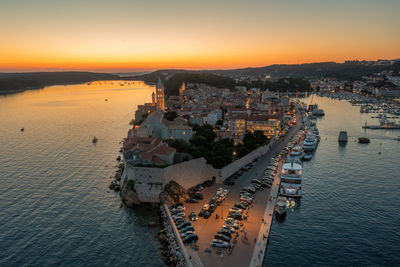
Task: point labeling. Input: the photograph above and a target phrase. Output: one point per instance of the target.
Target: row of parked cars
(224, 237)
(214, 202)
(231, 179)
(185, 227)
(194, 192)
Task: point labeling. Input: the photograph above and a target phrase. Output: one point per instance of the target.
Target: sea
(56, 208)
(55, 205)
(349, 212)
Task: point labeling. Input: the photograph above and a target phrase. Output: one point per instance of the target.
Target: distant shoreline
(11, 83)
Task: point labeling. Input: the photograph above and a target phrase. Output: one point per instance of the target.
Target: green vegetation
(170, 115)
(251, 141)
(221, 152)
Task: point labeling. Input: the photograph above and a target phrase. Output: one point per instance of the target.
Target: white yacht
(291, 179)
(296, 153)
(310, 143)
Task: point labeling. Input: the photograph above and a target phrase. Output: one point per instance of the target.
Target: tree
(170, 115)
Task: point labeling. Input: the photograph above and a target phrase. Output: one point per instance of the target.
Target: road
(206, 228)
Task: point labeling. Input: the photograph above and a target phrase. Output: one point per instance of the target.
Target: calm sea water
(55, 206)
(349, 212)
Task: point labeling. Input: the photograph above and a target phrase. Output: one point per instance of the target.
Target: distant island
(17, 82)
(283, 77)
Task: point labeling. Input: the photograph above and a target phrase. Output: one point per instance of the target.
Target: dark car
(176, 205)
(190, 238)
(187, 228)
(198, 196)
(201, 213)
(224, 232)
(179, 221)
(229, 182)
(207, 215)
(212, 208)
(222, 237)
(191, 200)
(184, 224)
(240, 206)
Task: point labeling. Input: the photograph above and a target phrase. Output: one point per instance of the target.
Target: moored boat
(291, 179)
(343, 137)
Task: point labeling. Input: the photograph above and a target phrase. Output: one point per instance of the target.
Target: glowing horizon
(124, 36)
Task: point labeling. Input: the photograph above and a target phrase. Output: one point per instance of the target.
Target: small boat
(22, 129)
(343, 137)
(94, 141)
(307, 156)
(398, 138)
(281, 206)
(363, 140)
(119, 158)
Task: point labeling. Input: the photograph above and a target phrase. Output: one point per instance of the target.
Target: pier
(253, 239)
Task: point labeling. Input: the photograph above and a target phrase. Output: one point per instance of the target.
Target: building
(160, 94)
(147, 151)
(155, 125)
(143, 111)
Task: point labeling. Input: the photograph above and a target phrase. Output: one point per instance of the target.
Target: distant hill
(351, 70)
(15, 82)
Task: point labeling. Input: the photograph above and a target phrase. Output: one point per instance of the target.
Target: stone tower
(160, 94)
(153, 99)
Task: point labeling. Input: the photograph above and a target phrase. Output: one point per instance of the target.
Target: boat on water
(318, 112)
(363, 140)
(296, 153)
(307, 156)
(281, 206)
(310, 143)
(291, 179)
(343, 137)
(94, 141)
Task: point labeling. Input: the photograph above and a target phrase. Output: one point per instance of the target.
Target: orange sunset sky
(127, 35)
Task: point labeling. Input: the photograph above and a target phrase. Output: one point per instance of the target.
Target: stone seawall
(150, 182)
(176, 248)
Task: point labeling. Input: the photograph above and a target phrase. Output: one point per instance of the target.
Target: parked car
(191, 200)
(224, 232)
(187, 228)
(240, 205)
(219, 243)
(198, 196)
(183, 225)
(222, 237)
(207, 215)
(183, 235)
(176, 205)
(201, 213)
(206, 206)
(190, 238)
(193, 216)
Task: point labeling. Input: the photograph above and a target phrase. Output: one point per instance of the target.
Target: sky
(130, 35)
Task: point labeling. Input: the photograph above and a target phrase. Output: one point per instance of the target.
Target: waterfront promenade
(251, 245)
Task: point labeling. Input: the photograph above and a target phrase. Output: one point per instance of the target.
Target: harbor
(272, 174)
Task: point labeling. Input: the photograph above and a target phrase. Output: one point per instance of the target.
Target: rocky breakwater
(170, 251)
(115, 183)
(128, 194)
